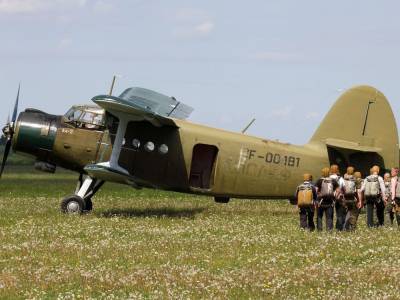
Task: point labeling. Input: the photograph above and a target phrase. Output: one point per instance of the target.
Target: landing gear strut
(81, 201)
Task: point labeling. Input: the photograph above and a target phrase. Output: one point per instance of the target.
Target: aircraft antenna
(366, 116)
(112, 85)
(248, 125)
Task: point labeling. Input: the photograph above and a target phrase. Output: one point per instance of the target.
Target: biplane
(142, 139)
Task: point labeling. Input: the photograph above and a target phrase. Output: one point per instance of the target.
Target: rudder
(361, 121)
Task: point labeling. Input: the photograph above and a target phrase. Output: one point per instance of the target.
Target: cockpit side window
(85, 119)
(73, 114)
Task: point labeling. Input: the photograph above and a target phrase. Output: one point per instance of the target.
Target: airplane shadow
(165, 212)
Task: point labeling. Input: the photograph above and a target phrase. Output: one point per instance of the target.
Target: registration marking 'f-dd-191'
(286, 160)
(276, 158)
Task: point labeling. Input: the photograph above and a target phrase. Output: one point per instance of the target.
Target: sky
(281, 62)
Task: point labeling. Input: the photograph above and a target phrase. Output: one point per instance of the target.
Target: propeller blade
(8, 119)
(5, 155)
(14, 116)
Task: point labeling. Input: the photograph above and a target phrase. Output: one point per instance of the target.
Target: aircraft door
(338, 158)
(365, 160)
(362, 161)
(202, 171)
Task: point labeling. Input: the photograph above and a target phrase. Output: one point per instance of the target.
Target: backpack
(349, 187)
(327, 188)
(305, 195)
(372, 187)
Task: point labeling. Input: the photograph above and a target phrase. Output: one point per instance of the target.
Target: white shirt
(339, 180)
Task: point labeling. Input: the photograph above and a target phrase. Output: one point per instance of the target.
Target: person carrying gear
(339, 201)
(326, 188)
(387, 179)
(350, 200)
(395, 194)
(306, 196)
(359, 185)
(374, 195)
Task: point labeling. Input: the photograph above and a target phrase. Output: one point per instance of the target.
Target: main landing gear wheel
(72, 205)
(221, 199)
(81, 202)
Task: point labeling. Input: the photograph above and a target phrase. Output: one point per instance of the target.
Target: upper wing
(143, 104)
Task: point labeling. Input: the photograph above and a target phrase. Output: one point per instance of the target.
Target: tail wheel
(221, 199)
(72, 205)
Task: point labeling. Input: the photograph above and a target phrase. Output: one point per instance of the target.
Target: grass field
(153, 244)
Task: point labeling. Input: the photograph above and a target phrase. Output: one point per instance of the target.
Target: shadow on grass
(165, 212)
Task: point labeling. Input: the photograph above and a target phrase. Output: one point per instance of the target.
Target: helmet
(334, 169)
(375, 169)
(350, 170)
(307, 177)
(325, 172)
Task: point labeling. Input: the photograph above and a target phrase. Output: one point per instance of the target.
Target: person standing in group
(359, 187)
(374, 194)
(306, 196)
(350, 199)
(395, 194)
(339, 201)
(326, 188)
(387, 179)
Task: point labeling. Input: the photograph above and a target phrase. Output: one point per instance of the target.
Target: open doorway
(203, 165)
(339, 158)
(362, 161)
(365, 160)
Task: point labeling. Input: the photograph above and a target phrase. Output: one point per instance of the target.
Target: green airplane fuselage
(193, 158)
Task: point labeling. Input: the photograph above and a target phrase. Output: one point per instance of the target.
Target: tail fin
(361, 120)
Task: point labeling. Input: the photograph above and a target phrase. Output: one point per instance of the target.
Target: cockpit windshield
(85, 117)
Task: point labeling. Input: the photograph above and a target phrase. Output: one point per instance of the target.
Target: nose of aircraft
(35, 133)
(8, 132)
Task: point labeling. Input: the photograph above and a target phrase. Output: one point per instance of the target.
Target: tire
(72, 205)
(221, 199)
(88, 204)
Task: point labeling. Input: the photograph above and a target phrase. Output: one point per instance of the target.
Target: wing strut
(116, 151)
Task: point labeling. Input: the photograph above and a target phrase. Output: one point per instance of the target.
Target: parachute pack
(372, 187)
(305, 195)
(349, 188)
(327, 188)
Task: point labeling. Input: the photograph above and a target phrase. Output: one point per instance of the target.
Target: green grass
(15, 159)
(154, 244)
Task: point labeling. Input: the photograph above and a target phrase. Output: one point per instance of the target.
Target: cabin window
(82, 118)
(203, 165)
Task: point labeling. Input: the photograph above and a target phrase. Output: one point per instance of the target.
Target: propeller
(8, 132)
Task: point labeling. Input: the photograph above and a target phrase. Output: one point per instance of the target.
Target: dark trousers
(353, 212)
(389, 210)
(340, 215)
(396, 208)
(307, 218)
(375, 203)
(328, 212)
